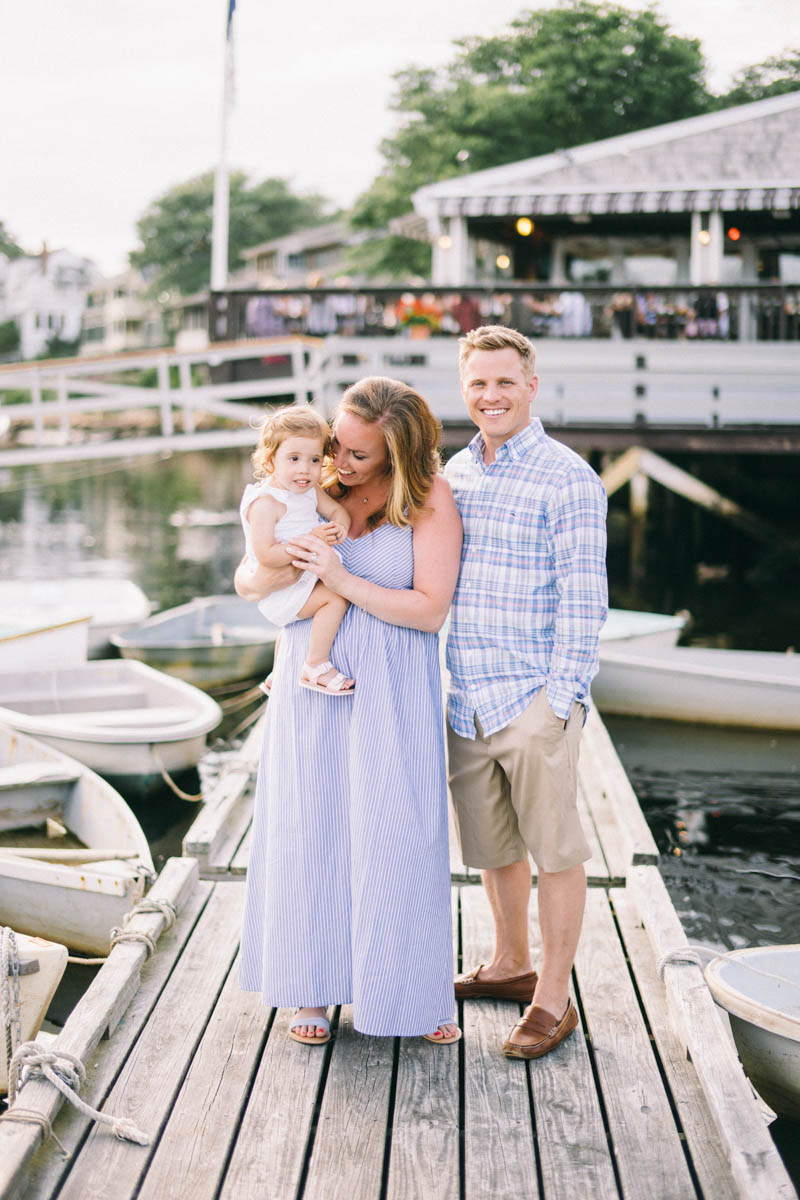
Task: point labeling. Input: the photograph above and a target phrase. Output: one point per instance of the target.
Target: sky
(106, 104)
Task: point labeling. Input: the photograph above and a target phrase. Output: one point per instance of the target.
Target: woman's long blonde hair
(411, 433)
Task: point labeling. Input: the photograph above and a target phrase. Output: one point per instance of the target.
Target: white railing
(59, 391)
(607, 383)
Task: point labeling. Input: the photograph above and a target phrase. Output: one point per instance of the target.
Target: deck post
(36, 398)
(164, 398)
(185, 376)
(639, 488)
(63, 406)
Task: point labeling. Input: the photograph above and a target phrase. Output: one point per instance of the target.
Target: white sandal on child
(335, 686)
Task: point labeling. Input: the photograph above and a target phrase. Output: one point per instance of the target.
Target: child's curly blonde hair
(293, 421)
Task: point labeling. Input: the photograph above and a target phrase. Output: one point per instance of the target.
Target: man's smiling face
(497, 393)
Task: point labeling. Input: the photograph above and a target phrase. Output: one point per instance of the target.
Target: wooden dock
(646, 1101)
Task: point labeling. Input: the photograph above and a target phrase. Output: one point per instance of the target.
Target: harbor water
(724, 805)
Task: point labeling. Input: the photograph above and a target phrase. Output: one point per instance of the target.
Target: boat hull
(716, 687)
(211, 642)
(119, 718)
(759, 987)
(77, 904)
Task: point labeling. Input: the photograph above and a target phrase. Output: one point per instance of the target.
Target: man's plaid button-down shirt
(532, 594)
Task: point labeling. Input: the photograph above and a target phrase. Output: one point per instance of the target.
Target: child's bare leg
(326, 609)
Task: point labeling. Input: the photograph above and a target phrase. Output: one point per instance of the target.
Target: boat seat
(39, 702)
(109, 718)
(28, 773)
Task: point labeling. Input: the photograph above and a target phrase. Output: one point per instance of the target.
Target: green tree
(7, 244)
(175, 231)
(559, 77)
(773, 77)
(9, 338)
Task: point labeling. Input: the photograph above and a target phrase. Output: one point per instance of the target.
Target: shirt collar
(515, 448)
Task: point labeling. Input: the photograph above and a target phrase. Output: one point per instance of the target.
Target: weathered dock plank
(424, 1159)
(707, 1152)
(758, 1170)
(99, 1011)
(203, 1123)
(269, 1153)
(647, 1146)
(103, 1065)
(350, 1144)
(145, 1091)
(499, 1148)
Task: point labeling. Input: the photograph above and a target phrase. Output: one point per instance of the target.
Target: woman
(348, 888)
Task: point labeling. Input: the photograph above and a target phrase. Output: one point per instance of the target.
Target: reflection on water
(111, 519)
(724, 808)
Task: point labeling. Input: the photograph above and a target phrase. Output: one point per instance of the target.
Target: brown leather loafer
(519, 987)
(548, 1030)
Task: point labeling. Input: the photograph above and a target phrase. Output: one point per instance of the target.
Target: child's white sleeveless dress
(300, 518)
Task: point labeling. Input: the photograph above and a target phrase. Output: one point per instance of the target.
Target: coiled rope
(66, 1072)
(63, 1070)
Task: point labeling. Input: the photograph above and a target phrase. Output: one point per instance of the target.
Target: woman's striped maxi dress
(348, 887)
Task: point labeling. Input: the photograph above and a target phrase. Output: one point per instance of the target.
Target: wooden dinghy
(759, 988)
(120, 718)
(30, 986)
(73, 858)
(210, 642)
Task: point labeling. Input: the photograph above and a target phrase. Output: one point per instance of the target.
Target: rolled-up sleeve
(576, 519)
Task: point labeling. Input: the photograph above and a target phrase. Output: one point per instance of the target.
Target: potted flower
(420, 315)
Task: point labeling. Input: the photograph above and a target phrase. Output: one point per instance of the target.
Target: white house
(45, 294)
(119, 316)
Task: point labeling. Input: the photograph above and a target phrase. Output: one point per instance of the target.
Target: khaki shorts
(515, 790)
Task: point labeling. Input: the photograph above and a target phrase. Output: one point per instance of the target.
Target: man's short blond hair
(497, 337)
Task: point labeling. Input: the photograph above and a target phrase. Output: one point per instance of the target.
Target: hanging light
(525, 227)
(445, 241)
(734, 234)
(704, 237)
(503, 262)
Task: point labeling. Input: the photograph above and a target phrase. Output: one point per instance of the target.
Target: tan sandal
(444, 1039)
(317, 1022)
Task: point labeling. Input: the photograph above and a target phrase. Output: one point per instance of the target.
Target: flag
(230, 78)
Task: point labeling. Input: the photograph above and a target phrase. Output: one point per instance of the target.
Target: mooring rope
(123, 934)
(10, 1005)
(170, 782)
(701, 956)
(66, 1073)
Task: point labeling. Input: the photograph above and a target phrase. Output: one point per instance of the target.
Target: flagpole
(219, 227)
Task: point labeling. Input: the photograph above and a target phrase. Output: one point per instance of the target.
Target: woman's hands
(311, 553)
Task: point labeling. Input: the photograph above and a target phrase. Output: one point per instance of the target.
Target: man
(522, 651)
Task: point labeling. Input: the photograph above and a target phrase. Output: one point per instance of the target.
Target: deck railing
(768, 312)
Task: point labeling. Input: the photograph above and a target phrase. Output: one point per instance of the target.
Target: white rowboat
(70, 893)
(210, 642)
(759, 987)
(113, 604)
(749, 688)
(119, 718)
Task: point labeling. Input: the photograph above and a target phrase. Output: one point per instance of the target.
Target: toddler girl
(285, 502)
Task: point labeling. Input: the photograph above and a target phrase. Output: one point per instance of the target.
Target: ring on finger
(314, 557)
